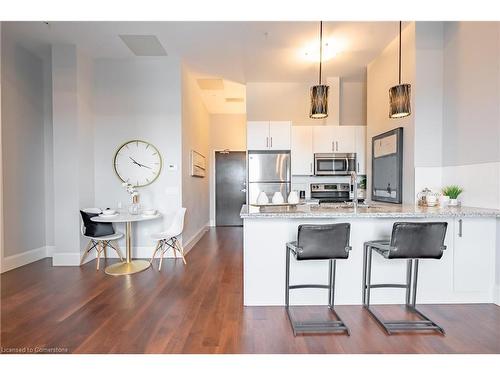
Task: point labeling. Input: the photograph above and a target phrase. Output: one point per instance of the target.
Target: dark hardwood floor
(198, 309)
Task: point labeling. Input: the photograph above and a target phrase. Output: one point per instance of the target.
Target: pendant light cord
(400, 52)
(321, 48)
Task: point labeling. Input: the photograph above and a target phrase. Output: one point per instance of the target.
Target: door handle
(243, 190)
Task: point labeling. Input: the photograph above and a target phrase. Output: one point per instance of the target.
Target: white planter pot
(453, 202)
(444, 200)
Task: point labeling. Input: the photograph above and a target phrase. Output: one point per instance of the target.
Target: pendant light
(319, 92)
(399, 96)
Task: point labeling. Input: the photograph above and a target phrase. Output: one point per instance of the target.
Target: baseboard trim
(65, 259)
(26, 257)
(73, 259)
(189, 244)
(496, 295)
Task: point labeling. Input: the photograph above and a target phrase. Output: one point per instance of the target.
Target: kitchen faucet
(354, 184)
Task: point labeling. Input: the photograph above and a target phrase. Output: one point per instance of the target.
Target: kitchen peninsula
(465, 274)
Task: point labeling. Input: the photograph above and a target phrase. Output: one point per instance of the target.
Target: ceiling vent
(211, 83)
(144, 45)
(234, 100)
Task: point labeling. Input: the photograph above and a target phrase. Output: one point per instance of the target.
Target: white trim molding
(496, 294)
(65, 259)
(26, 257)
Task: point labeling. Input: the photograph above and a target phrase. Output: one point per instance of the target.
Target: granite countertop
(382, 210)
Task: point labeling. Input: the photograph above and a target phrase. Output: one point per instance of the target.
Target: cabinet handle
(358, 166)
(311, 168)
(460, 228)
(337, 145)
(267, 142)
(271, 141)
(333, 146)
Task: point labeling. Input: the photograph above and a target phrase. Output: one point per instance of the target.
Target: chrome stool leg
(312, 326)
(394, 326)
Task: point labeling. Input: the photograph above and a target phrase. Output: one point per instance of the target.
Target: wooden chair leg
(154, 252)
(99, 249)
(181, 250)
(117, 249)
(174, 250)
(105, 249)
(84, 255)
(162, 253)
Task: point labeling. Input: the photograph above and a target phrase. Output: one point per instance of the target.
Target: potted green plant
(452, 191)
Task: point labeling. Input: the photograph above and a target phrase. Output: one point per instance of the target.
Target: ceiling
(237, 52)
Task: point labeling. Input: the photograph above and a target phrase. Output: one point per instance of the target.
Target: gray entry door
(230, 187)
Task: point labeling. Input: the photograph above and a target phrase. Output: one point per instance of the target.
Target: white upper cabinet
(323, 139)
(258, 135)
(280, 135)
(302, 150)
(268, 135)
(344, 138)
(334, 139)
(361, 149)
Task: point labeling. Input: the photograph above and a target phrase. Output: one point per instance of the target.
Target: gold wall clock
(137, 162)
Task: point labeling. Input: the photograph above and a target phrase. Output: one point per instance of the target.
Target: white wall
(227, 132)
(195, 136)
(138, 99)
(72, 150)
(428, 92)
(471, 93)
(353, 102)
(290, 101)
(23, 149)
(382, 74)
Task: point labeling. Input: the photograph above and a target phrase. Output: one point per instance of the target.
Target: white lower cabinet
(471, 246)
(302, 150)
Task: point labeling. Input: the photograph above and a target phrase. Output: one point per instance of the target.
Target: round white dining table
(129, 266)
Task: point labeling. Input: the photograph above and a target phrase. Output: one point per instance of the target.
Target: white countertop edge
(396, 211)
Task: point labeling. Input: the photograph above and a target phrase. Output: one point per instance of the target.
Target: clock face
(138, 163)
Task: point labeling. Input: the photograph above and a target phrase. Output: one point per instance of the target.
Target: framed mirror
(387, 166)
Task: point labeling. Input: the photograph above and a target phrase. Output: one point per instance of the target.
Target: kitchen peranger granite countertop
(373, 210)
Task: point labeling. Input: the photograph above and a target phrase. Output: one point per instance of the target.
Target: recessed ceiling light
(234, 100)
(210, 83)
(144, 45)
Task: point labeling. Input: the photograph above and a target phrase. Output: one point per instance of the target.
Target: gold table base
(127, 268)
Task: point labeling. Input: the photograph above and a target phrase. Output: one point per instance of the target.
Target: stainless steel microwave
(334, 164)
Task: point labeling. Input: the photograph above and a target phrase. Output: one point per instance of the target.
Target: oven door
(326, 166)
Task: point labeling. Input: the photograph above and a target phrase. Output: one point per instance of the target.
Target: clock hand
(133, 161)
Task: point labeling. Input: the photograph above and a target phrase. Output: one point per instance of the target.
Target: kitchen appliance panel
(266, 166)
(336, 164)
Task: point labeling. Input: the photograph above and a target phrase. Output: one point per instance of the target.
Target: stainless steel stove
(331, 193)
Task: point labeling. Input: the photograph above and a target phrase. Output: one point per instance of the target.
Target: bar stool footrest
(392, 326)
(317, 326)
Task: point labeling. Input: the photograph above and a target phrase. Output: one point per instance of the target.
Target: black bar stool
(411, 241)
(318, 242)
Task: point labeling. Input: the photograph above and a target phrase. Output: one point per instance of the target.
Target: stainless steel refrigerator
(268, 171)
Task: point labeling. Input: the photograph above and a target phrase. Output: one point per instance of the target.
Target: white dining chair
(99, 243)
(168, 238)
